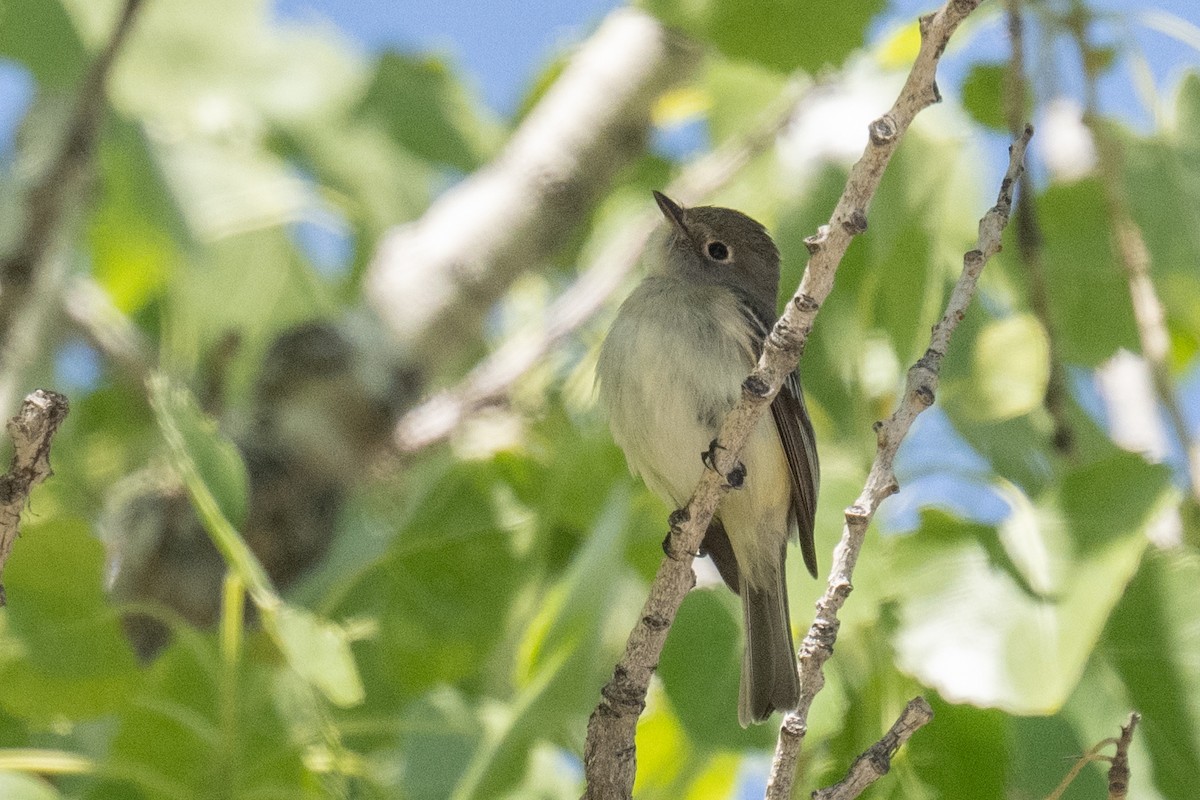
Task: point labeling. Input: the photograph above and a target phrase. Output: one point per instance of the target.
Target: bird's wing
(800, 446)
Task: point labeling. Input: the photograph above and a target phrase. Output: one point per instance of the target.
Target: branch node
(813, 243)
(755, 386)
(856, 223)
(793, 725)
(883, 130)
(857, 515)
(924, 394)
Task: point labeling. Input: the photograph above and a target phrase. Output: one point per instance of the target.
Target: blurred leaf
(440, 594)
(320, 651)
(218, 463)
(193, 729)
(427, 111)
(1154, 643)
(971, 631)
(1011, 368)
(132, 230)
(40, 35)
(983, 95)
(1082, 275)
(64, 651)
(17, 786)
(442, 730)
(1187, 110)
(701, 668)
(737, 93)
(964, 752)
(899, 48)
(769, 31)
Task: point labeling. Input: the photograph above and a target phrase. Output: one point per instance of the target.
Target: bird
(669, 370)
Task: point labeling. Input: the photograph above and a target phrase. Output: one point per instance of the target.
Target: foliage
(453, 641)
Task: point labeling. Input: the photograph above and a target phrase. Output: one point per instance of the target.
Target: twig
(1029, 240)
(1130, 249)
(492, 380)
(433, 280)
(876, 761)
(110, 331)
(31, 431)
(48, 200)
(921, 385)
(1118, 773)
(1077, 767)
(609, 753)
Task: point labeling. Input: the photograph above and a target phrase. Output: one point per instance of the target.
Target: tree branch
(1118, 773)
(48, 200)
(1029, 239)
(31, 431)
(609, 753)
(492, 380)
(433, 280)
(920, 388)
(1131, 252)
(876, 761)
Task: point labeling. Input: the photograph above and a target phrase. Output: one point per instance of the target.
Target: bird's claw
(736, 477)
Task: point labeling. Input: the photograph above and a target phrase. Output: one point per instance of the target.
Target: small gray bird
(670, 369)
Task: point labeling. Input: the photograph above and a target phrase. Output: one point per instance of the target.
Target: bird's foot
(736, 477)
(678, 517)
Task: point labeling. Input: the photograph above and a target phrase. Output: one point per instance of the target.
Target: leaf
(319, 650)
(17, 786)
(1011, 368)
(976, 634)
(983, 95)
(426, 110)
(1082, 276)
(40, 35)
(964, 753)
(1154, 643)
(701, 667)
(64, 653)
(770, 32)
(218, 464)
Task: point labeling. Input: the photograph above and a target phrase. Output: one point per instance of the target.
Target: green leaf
(218, 464)
(701, 667)
(977, 634)
(1011, 368)
(64, 653)
(775, 33)
(419, 101)
(17, 786)
(40, 35)
(983, 95)
(320, 651)
(199, 724)
(964, 752)
(1154, 643)
(1082, 276)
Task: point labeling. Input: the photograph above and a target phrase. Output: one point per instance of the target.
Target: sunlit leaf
(320, 651)
(17, 786)
(977, 635)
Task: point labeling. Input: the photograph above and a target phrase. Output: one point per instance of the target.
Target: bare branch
(110, 331)
(49, 199)
(876, 761)
(31, 431)
(1129, 246)
(433, 280)
(919, 392)
(492, 380)
(1118, 773)
(610, 754)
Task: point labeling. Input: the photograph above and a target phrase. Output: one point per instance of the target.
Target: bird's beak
(673, 212)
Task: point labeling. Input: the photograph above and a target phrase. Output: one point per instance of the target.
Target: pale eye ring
(717, 251)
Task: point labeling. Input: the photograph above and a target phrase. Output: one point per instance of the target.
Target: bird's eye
(717, 251)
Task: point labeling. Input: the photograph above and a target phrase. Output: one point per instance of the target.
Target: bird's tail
(769, 679)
